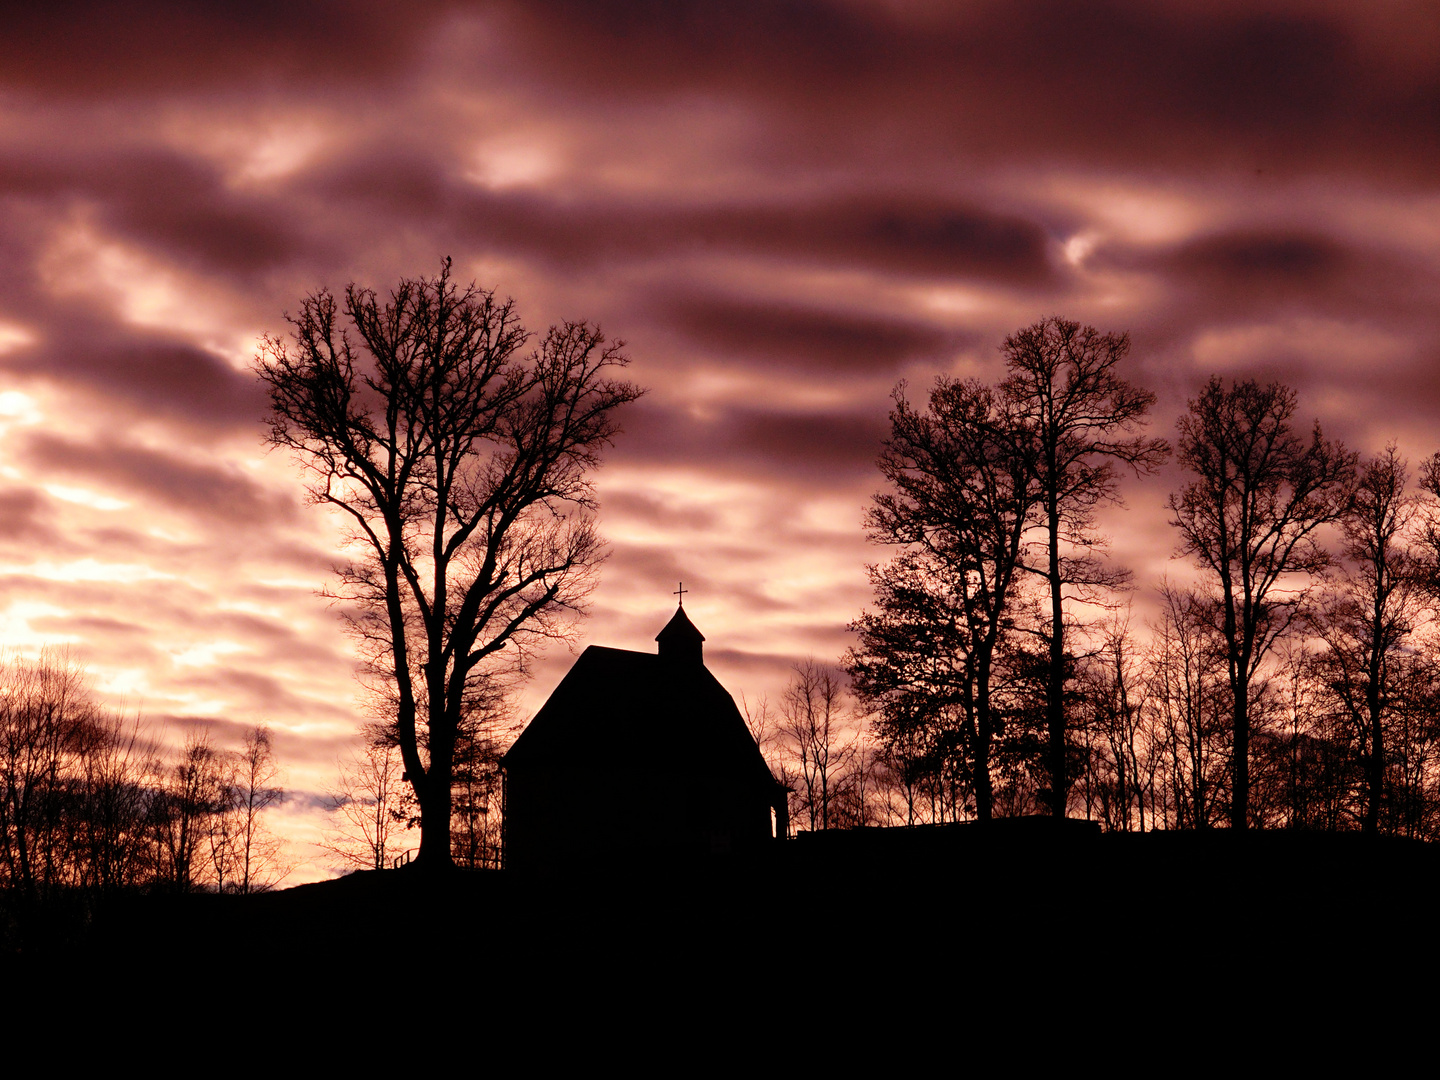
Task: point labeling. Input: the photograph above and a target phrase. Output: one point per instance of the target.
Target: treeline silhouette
(1290, 682)
(1288, 676)
(92, 806)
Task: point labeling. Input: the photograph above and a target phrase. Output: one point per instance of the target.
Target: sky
(785, 208)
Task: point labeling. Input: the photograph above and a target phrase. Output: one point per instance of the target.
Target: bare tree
(1413, 747)
(88, 802)
(463, 465)
(1369, 617)
(760, 719)
(906, 775)
(1189, 698)
(958, 506)
(1250, 516)
(261, 862)
(222, 824)
(864, 799)
(813, 723)
(1080, 420)
(77, 784)
(1122, 762)
(117, 803)
(244, 855)
(1306, 767)
(767, 731)
(46, 716)
(192, 795)
(369, 809)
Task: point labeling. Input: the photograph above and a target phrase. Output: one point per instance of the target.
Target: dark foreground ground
(1280, 928)
(907, 899)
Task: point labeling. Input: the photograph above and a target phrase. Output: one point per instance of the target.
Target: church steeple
(680, 641)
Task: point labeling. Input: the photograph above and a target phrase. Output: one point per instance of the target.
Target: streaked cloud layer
(784, 206)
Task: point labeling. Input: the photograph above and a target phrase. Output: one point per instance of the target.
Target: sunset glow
(784, 209)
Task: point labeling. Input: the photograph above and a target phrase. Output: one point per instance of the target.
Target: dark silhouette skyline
(783, 209)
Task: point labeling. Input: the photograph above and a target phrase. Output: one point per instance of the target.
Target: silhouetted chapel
(638, 756)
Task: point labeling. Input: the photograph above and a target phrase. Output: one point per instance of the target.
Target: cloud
(199, 487)
(651, 510)
(96, 48)
(805, 338)
(148, 373)
(1275, 85)
(24, 517)
(776, 446)
(805, 445)
(877, 231)
(174, 205)
(1250, 259)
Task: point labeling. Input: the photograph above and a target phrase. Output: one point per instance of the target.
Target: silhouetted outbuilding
(638, 756)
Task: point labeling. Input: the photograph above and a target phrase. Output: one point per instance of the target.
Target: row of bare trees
(815, 748)
(89, 801)
(1342, 711)
(967, 659)
(1297, 684)
(1293, 680)
(820, 745)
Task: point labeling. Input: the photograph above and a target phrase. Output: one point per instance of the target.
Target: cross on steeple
(680, 592)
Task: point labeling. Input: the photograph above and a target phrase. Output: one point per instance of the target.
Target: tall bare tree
(766, 729)
(813, 724)
(261, 863)
(46, 717)
(462, 463)
(1081, 420)
(1190, 703)
(1371, 614)
(116, 804)
(958, 505)
(1121, 761)
(192, 793)
(1251, 517)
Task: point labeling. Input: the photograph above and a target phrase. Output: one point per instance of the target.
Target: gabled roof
(638, 711)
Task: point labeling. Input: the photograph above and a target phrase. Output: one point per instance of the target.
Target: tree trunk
(435, 851)
(1055, 681)
(1240, 787)
(1375, 761)
(1239, 634)
(984, 793)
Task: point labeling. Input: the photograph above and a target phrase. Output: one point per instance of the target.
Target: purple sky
(784, 207)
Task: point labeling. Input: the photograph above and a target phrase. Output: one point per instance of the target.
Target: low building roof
(646, 710)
